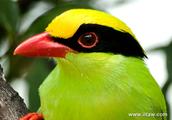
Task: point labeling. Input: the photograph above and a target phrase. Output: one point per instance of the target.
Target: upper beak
(42, 45)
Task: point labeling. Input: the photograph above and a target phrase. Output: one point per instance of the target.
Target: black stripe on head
(110, 41)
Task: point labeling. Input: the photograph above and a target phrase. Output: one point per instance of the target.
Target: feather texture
(100, 86)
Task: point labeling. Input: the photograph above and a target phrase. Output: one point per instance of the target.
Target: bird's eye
(88, 40)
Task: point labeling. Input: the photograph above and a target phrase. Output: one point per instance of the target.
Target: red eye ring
(88, 40)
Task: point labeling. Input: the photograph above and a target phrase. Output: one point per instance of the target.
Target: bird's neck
(94, 65)
(90, 65)
(81, 81)
(86, 64)
(85, 67)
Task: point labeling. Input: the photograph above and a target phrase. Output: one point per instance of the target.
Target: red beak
(42, 45)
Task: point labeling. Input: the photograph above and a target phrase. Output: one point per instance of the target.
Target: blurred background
(150, 20)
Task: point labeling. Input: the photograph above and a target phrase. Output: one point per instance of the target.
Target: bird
(100, 73)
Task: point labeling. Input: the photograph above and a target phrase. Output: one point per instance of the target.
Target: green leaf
(9, 16)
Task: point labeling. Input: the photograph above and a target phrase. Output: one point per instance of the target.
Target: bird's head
(82, 31)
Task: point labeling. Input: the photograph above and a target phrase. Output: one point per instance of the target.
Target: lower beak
(42, 45)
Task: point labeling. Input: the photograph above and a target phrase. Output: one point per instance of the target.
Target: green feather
(100, 86)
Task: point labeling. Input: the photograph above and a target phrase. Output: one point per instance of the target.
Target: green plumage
(100, 86)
